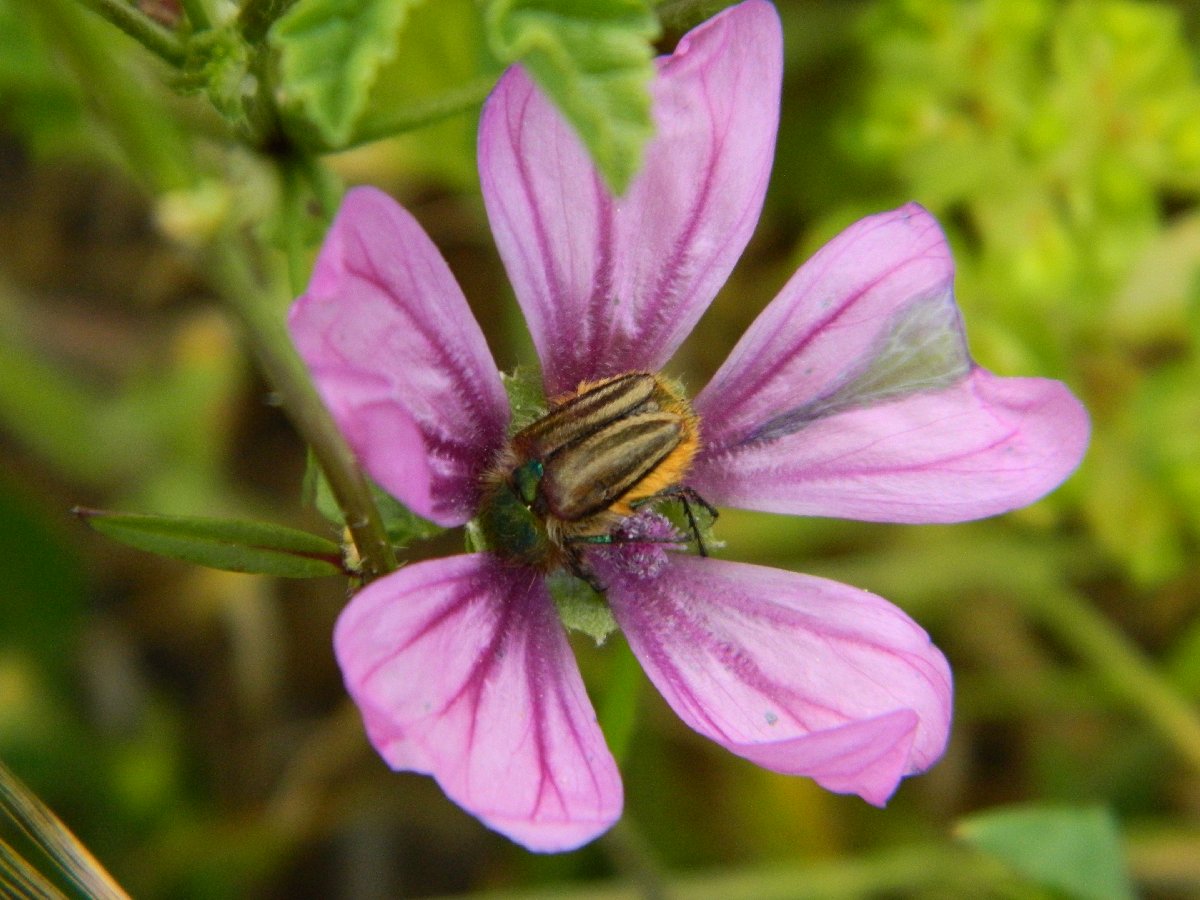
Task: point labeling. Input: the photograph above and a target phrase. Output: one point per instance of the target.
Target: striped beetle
(596, 457)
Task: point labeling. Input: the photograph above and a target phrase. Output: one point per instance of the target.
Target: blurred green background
(190, 725)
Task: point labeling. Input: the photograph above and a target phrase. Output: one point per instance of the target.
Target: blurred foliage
(190, 725)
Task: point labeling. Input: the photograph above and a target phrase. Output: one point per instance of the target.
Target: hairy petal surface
(462, 671)
(610, 285)
(400, 360)
(853, 395)
(799, 674)
(982, 447)
(838, 313)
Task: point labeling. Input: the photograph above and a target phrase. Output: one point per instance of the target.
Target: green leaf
(330, 54)
(1074, 850)
(594, 60)
(430, 94)
(257, 547)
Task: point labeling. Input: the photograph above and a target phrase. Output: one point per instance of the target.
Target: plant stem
(197, 13)
(154, 150)
(250, 296)
(158, 40)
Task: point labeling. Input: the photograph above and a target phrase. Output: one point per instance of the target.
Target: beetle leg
(686, 497)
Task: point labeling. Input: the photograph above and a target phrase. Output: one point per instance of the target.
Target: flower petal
(799, 674)
(982, 447)
(462, 671)
(400, 360)
(614, 285)
(853, 395)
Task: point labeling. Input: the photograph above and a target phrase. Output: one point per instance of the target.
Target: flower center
(569, 479)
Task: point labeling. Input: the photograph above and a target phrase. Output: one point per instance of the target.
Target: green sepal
(402, 525)
(594, 59)
(259, 548)
(580, 608)
(526, 398)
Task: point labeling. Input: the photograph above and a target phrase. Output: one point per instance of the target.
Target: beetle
(597, 456)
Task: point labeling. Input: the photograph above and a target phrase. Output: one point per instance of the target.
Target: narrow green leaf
(1074, 850)
(595, 61)
(256, 547)
(330, 53)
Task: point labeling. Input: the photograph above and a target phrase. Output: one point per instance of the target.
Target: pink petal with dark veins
(462, 671)
(799, 674)
(611, 285)
(400, 360)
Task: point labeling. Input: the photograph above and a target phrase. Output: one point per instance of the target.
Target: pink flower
(852, 395)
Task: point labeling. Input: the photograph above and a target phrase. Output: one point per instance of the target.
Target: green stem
(1128, 673)
(158, 40)
(257, 17)
(198, 14)
(154, 149)
(250, 296)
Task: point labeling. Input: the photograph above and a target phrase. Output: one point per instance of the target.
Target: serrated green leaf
(440, 76)
(330, 54)
(235, 546)
(594, 60)
(1073, 850)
